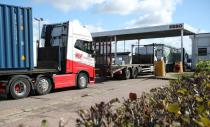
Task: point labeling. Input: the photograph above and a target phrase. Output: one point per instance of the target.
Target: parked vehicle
(64, 61)
(169, 54)
(121, 67)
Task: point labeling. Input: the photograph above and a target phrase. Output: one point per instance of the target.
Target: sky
(103, 15)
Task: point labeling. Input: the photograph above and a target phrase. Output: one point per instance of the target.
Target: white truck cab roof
(76, 29)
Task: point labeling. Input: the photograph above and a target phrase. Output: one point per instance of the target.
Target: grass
(185, 74)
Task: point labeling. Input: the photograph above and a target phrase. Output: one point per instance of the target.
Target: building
(200, 48)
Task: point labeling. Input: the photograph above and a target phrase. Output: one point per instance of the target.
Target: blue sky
(193, 12)
(101, 15)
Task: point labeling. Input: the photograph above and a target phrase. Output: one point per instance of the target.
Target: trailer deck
(34, 71)
(141, 67)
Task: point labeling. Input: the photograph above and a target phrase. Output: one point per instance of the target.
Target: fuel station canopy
(171, 30)
(162, 31)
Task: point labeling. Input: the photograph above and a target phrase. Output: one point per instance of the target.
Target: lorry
(117, 65)
(153, 52)
(131, 66)
(159, 51)
(65, 60)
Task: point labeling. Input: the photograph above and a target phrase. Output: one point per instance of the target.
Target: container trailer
(66, 59)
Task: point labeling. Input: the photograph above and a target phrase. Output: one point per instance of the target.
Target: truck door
(82, 57)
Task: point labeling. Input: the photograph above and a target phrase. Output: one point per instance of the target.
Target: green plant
(203, 66)
(100, 115)
(185, 102)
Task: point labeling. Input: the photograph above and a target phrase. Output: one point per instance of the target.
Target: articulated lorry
(65, 60)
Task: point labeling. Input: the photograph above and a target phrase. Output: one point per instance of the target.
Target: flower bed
(185, 102)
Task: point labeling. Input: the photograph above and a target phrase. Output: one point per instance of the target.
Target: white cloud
(93, 28)
(155, 12)
(157, 18)
(119, 6)
(149, 12)
(67, 5)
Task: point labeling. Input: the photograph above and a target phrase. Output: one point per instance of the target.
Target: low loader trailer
(130, 71)
(113, 65)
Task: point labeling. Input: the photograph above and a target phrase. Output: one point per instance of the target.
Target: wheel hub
(83, 81)
(127, 73)
(43, 85)
(20, 88)
(17, 88)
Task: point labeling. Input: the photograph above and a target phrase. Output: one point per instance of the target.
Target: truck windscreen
(55, 35)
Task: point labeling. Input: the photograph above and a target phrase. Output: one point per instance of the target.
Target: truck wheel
(126, 74)
(82, 80)
(134, 73)
(43, 86)
(20, 88)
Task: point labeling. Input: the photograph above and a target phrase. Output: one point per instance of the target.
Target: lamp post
(39, 20)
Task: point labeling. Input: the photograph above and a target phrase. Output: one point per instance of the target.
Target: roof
(170, 30)
(203, 35)
(168, 46)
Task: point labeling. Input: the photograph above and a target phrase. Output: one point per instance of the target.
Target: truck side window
(81, 45)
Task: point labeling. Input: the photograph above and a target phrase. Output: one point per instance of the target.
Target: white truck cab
(68, 48)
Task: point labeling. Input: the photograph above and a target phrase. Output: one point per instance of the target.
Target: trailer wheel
(20, 88)
(82, 80)
(43, 86)
(134, 73)
(126, 74)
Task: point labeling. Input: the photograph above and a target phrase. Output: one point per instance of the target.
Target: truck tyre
(126, 74)
(20, 88)
(43, 86)
(82, 80)
(134, 73)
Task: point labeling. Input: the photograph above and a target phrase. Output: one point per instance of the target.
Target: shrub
(203, 66)
(185, 102)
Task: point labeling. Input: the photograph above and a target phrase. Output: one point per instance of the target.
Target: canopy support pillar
(115, 51)
(182, 51)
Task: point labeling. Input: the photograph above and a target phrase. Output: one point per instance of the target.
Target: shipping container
(16, 38)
